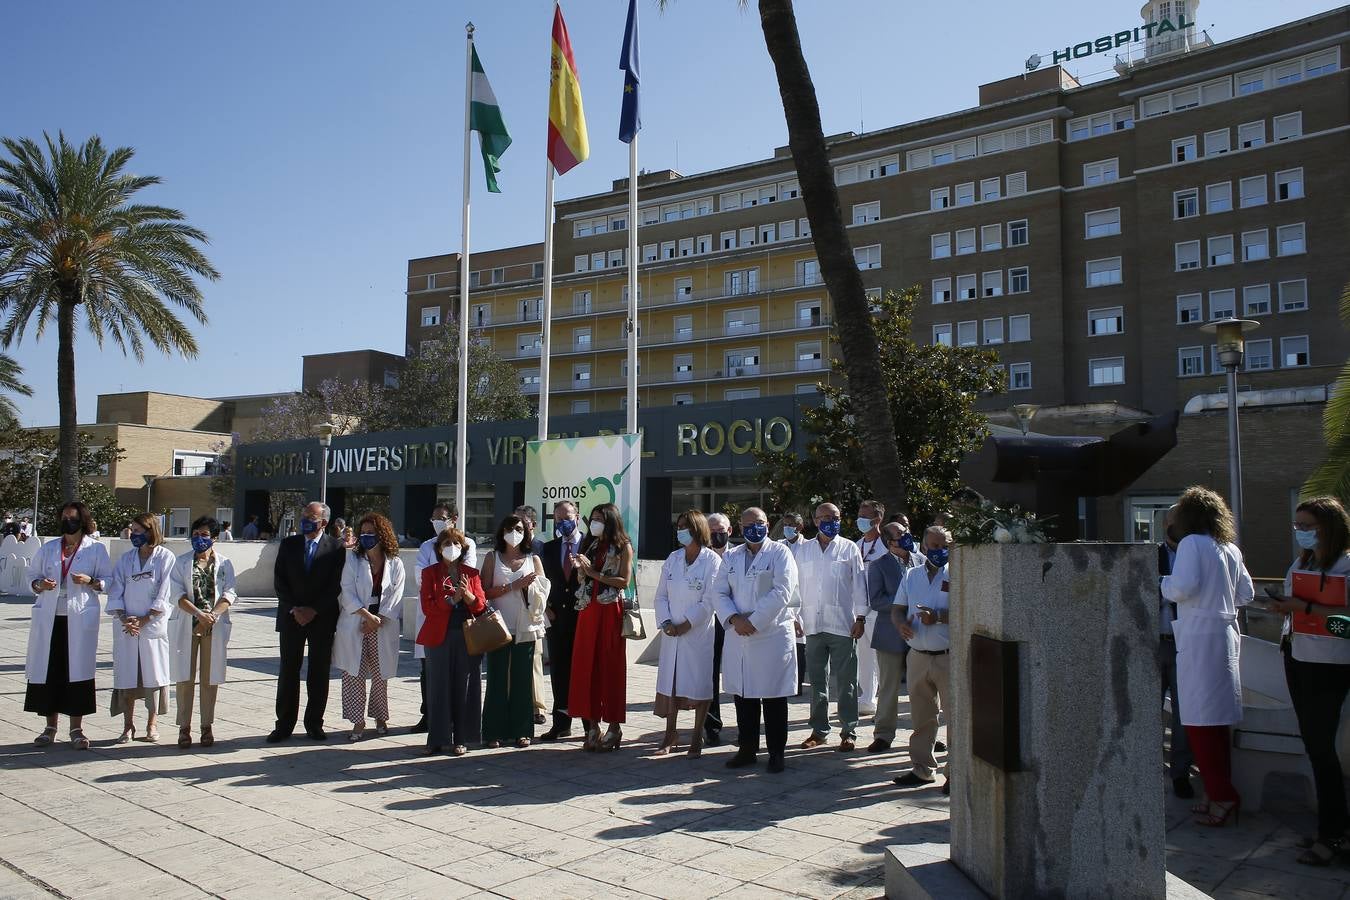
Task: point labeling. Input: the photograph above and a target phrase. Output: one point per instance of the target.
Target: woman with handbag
(684, 607)
(599, 660)
(451, 595)
(513, 578)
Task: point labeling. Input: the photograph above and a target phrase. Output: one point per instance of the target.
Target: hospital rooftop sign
(1108, 42)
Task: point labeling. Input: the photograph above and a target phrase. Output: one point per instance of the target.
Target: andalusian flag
(567, 142)
(485, 117)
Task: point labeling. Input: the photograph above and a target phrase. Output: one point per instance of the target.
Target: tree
(930, 393)
(1333, 475)
(853, 316)
(10, 383)
(71, 239)
(18, 470)
(349, 406)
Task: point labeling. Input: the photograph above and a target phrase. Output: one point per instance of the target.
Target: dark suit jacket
(1164, 569)
(317, 588)
(562, 593)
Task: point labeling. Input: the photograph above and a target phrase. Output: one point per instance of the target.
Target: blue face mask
(201, 544)
(1306, 539)
(790, 532)
(829, 528)
(368, 541)
(755, 533)
(907, 542)
(565, 527)
(684, 537)
(139, 540)
(308, 526)
(938, 558)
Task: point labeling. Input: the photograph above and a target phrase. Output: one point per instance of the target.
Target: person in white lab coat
(140, 599)
(830, 578)
(719, 528)
(753, 587)
(365, 644)
(443, 516)
(1208, 583)
(871, 516)
(199, 628)
(67, 575)
(685, 607)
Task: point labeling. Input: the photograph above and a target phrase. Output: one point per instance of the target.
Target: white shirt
(1315, 647)
(916, 590)
(872, 549)
(830, 580)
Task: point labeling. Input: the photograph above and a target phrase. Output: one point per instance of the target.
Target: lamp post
(1025, 412)
(149, 483)
(41, 460)
(1231, 337)
(325, 430)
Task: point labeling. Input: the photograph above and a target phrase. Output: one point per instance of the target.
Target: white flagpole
(462, 401)
(547, 318)
(632, 287)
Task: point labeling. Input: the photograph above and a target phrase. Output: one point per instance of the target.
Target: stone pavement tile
(1273, 883)
(1204, 872)
(312, 854)
(687, 883)
(431, 851)
(157, 885)
(673, 847)
(811, 880)
(491, 869)
(622, 868)
(869, 890)
(1231, 842)
(554, 850)
(15, 887)
(563, 885)
(851, 857)
(740, 864)
(363, 871)
(428, 885)
(751, 892)
(777, 840)
(829, 825)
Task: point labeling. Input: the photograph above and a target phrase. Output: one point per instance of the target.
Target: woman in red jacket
(451, 593)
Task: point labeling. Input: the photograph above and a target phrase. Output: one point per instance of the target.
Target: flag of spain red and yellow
(567, 142)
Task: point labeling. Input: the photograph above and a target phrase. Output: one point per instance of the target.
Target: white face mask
(451, 552)
(513, 538)
(440, 524)
(597, 529)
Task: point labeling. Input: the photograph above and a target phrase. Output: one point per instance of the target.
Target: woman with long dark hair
(598, 691)
(1208, 583)
(510, 571)
(365, 645)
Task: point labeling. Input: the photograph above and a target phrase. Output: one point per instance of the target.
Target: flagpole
(547, 317)
(462, 400)
(632, 287)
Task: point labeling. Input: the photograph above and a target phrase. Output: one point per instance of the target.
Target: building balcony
(650, 340)
(694, 376)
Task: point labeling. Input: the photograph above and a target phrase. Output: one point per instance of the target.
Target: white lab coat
(182, 624)
(765, 663)
(356, 596)
(82, 617)
(832, 582)
(686, 595)
(147, 652)
(1208, 583)
(426, 557)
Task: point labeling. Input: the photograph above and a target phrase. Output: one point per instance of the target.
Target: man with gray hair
(921, 615)
(307, 578)
(719, 526)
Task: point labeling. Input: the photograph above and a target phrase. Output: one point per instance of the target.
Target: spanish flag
(567, 143)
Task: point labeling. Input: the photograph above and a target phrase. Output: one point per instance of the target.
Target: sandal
(128, 735)
(47, 737)
(356, 735)
(458, 750)
(522, 743)
(381, 728)
(1320, 853)
(612, 739)
(152, 735)
(491, 745)
(208, 739)
(695, 746)
(1219, 813)
(185, 738)
(78, 740)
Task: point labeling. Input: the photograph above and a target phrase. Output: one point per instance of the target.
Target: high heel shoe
(128, 735)
(592, 742)
(1218, 814)
(612, 739)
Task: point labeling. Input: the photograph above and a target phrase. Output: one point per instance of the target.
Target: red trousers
(599, 666)
(1212, 746)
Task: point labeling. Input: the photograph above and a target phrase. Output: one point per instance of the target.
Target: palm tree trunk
(68, 443)
(873, 422)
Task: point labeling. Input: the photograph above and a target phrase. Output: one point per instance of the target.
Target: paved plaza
(378, 820)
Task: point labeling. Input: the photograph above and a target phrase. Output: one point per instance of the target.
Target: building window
(965, 194)
(1102, 172)
(687, 245)
(942, 290)
(1221, 250)
(684, 399)
(1255, 245)
(1019, 280)
(942, 334)
(704, 242)
(742, 362)
(580, 263)
(1188, 255)
(1256, 300)
(1103, 272)
(537, 270)
(581, 339)
(529, 344)
(993, 331)
(1019, 328)
(581, 406)
(581, 375)
(993, 283)
(1183, 149)
(650, 253)
(1287, 127)
(1293, 295)
(728, 240)
(991, 237)
(1019, 376)
(1106, 321)
(1219, 198)
(741, 321)
(684, 288)
(529, 380)
(1110, 370)
(684, 367)
(1216, 142)
(808, 272)
(939, 198)
(1186, 204)
(480, 315)
(741, 394)
(1290, 238)
(431, 316)
(498, 275)
(868, 257)
(1223, 304)
(808, 356)
(809, 388)
(1253, 191)
(1259, 357)
(668, 249)
(1018, 233)
(808, 314)
(967, 334)
(1252, 134)
(1289, 185)
(989, 189)
(742, 281)
(1017, 184)
(581, 302)
(684, 328)
(1190, 362)
(1103, 223)
(866, 212)
(941, 246)
(965, 241)
(965, 287)
(1189, 309)
(529, 309)
(1293, 352)
(180, 520)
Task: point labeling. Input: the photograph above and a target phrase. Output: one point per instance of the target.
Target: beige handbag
(485, 633)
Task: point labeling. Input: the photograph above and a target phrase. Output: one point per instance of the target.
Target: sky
(318, 144)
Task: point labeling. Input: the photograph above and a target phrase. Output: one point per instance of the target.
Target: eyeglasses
(141, 576)
(1298, 526)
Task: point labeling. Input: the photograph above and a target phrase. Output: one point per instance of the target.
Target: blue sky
(318, 143)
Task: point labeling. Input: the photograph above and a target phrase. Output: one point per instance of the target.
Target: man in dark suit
(308, 580)
(561, 611)
(1179, 763)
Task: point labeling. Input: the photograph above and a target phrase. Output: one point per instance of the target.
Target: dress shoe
(741, 760)
(846, 745)
(878, 745)
(947, 788)
(420, 727)
(316, 734)
(539, 718)
(910, 779)
(556, 734)
(939, 747)
(712, 739)
(775, 764)
(814, 741)
(276, 737)
(1182, 787)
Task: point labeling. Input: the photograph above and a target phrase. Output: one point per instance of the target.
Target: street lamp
(41, 460)
(149, 483)
(1025, 412)
(325, 430)
(1231, 335)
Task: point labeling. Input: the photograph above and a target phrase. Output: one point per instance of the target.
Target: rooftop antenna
(677, 154)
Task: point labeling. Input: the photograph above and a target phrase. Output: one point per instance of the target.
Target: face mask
(201, 544)
(864, 525)
(907, 542)
(720, 538)
(69, 526)
(597, 529)
(139, 540)
(565, 527)
(513, 538)
(684, 537)
(938, 558)
(439, 525)
(451, 552)
(829, 529)
(755, 533)
(368, 541)
(790, 532)
(1306, 539)
(309, 526)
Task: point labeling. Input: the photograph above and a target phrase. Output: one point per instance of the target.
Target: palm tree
(10, 384)
(873, 424)
(1333, 475)
(70, 239)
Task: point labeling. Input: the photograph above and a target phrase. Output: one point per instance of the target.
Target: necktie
(567, 560)
(309, 553)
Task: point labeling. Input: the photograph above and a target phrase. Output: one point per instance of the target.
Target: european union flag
(630, 121)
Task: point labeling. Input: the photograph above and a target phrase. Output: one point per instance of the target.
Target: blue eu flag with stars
(630, 121)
